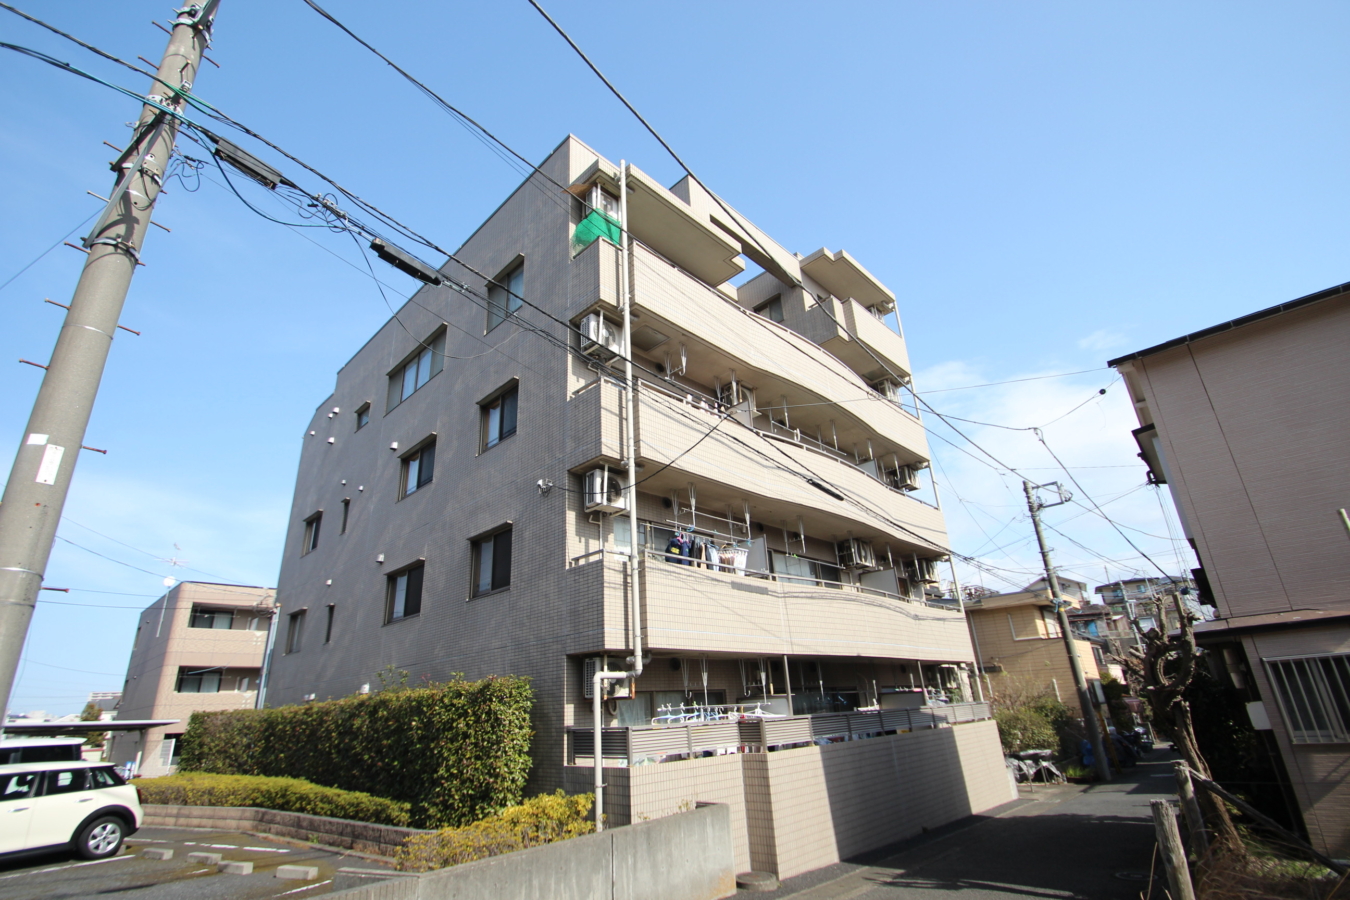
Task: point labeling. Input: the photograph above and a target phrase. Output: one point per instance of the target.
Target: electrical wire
(745, 227)
(470, 124)
(969, 387)
(407, 232)
(1109, 520)
(40, 256)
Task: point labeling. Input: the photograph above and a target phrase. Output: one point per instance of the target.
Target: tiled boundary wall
(797, 810)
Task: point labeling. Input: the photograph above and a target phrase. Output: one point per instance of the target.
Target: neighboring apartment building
(461, 507)
(1247, 423)
(200, 647)
(1153, 600)
(1021, 647)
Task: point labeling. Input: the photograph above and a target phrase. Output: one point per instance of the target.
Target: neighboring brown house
(200, 647)
(1021, 648)
(1248, 424)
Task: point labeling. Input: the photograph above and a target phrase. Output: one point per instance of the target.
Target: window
(295, 626)
(362, 416)
(18, 786)
(425, 365)
(311, 540)
(499, 417)
(170, 751)
(492, 563)
(418, 468)
(404, 594)
(328, 628)
(771, 309)
(1314, 694)
(198, 681)
(346, 510)
(105, 778)
(504, 295)
(66, 781)
(211, 618)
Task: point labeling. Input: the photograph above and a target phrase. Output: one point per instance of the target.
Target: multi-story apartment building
(200, 647)
(1247, 423)
(463, 505)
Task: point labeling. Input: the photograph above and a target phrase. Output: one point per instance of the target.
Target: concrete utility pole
(40, 479)
(1080, 682)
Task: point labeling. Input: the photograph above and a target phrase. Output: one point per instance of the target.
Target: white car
(81, 806)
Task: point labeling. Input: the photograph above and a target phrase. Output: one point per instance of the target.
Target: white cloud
(984, 505)
(1102, 340)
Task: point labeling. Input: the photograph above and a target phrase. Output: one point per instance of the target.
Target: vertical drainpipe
(263, 677)
(630, 451)
(630, 461)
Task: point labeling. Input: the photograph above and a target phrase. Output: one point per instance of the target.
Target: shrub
(284, 794)
(539, 820)
(457, 752)
(1025, 729)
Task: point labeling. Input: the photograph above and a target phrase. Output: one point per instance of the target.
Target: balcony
(720, 337)
(860, 340)
(690, 609)
(735, 464)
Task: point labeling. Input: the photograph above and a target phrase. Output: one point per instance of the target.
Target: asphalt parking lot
(131, 875)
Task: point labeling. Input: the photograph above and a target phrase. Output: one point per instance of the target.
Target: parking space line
(93, 862)
(305, 888)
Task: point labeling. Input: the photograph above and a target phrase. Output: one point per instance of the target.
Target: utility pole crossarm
(40, 478)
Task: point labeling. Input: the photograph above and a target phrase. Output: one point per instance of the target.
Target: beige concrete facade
(199, 648)
(750, 431)
(1247, 424)
(1022, 648)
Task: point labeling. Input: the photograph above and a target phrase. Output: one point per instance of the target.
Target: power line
(1109, 520)
(749, 231)
(968, 387)
(459, 115)
(59, 242)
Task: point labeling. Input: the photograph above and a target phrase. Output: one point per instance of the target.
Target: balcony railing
(766, 425)
(638, 745)
(877, 595)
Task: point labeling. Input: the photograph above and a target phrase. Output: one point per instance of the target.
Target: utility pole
(1079, 681)
(40, 479)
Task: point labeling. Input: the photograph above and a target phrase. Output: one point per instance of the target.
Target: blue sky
(1043, 185)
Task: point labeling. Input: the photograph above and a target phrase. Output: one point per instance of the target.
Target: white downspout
(634, 555)
(597, 702)
(630, 451)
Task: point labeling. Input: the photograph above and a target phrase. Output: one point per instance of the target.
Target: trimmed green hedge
(539, 820)
(284, 794)
(457, 752)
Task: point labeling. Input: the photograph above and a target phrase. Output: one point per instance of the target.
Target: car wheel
(101, 838)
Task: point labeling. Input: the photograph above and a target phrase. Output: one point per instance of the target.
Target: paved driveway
(1058, 843)
(133, 877)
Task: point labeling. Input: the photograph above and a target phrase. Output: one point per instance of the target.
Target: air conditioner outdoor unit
(923, 571)
(907, 478)
(599, 337)
(612, 690)
(856, 554)
(602, 491)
